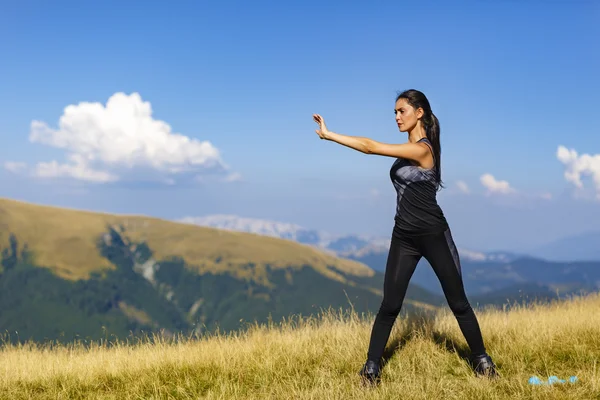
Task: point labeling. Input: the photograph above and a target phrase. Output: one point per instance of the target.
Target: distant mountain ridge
(348, 245)
(489, 277)
(504, 278)
(581, 247)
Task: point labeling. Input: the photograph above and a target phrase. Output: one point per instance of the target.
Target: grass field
(319, 359)
(64, 240)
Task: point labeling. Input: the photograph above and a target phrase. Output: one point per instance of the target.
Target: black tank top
(417, 210)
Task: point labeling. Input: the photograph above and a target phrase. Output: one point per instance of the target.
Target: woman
(420, 228)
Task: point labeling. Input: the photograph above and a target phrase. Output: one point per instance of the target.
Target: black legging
(404, 254)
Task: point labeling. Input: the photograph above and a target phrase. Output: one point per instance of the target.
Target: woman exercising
(420, 228)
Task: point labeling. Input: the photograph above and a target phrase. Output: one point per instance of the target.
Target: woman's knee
(460, 307)
(390, 308)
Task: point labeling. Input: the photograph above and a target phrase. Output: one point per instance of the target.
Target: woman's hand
(322, 132)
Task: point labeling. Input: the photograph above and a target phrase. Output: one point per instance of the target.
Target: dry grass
(64, 240)
(319, 359)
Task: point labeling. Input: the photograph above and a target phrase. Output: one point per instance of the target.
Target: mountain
(582, 247)
(335, 244)
(260, 227)
(500, 277)
(497, 256)
(347, 246)
(69, 274)
(490, 278)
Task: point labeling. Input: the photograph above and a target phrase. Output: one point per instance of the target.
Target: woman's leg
(401, 263)
(442, 254)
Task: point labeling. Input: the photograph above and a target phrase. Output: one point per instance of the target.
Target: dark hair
(432, 126)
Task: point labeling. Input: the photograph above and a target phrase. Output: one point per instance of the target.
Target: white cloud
(233, 177)
(106, 143)
(546, 196)
(15, 167)
(77, 169)
(578, 166)
(495, 186)
(463, 187)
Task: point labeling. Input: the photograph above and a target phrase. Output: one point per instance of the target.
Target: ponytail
(432, 128)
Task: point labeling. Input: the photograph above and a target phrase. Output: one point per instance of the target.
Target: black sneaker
(370, 372)
(484, 366)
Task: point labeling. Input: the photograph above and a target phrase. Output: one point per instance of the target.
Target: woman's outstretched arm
(413, 151)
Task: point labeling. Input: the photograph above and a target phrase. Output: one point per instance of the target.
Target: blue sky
(510, 82)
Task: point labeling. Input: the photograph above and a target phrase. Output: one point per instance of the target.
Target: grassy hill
(320, 357)
(64, 240)
(67, 275)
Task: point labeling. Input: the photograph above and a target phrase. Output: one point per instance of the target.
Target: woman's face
(406, 116)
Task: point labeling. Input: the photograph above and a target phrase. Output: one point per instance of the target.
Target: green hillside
(65, 241)
(70, 275)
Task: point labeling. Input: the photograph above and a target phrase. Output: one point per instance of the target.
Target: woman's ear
(420, 113)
